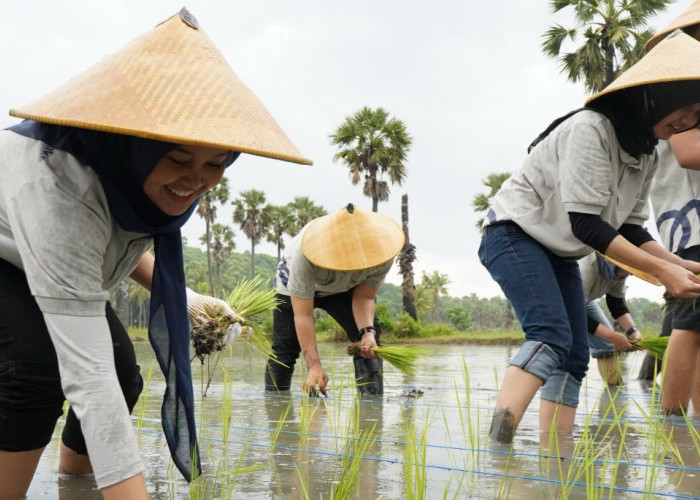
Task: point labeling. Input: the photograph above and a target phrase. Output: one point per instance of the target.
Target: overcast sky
(467, 78)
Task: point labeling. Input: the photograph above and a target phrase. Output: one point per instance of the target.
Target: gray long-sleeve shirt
(55, 224)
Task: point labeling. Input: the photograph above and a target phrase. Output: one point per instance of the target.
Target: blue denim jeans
(600, 347)
(546, 293)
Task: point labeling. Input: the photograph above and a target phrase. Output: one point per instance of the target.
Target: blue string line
(441, 467)
(440, 446)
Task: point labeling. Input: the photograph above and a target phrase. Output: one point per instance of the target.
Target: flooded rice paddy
(426, 437)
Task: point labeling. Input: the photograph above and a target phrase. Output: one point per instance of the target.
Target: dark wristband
(368, 329)
(631, 330)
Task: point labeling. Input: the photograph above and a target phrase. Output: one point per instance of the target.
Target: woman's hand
(204, 308)
(679, 281)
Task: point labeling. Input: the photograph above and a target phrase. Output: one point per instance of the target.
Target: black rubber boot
(277, 376)
(369, 374)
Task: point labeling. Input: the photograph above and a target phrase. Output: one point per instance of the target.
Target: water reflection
(426, 434)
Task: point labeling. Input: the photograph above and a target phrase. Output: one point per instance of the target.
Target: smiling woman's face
(183, 175)
(678, 121)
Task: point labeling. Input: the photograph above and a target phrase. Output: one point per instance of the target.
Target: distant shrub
(406, 326)
(437, 330)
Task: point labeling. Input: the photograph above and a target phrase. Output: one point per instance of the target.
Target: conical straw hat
(170, 84)
(675, 58)
(636, 272)
(689, 17)
(351, 239)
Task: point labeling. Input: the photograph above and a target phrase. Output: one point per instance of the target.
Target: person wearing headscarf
(675, 202)
(584, 186)
(337, 263)
(105, 166)
(603, 278)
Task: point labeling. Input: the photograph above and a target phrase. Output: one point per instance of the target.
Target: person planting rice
(674, 200)
(108, 164)
(601, 277)
(336, 263)
(583, 187)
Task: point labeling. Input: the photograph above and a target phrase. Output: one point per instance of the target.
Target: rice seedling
(226, 405)
(403, 358)
(415, 462)
(143, 400)
(356, 442)
(656, 346)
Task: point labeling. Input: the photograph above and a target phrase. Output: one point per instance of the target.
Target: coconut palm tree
(252, 215)
(613, 34)
(207, 211)
(373, 145)
(431, 288)
(303, 211)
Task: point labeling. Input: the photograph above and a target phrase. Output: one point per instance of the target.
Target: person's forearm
(143, 274)
(306, 334)
(650, 257)
(625, 321)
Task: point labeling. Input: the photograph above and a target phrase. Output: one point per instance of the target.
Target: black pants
(31, 398)
(285, 344)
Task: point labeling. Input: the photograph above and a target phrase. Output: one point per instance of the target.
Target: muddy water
(428, 434)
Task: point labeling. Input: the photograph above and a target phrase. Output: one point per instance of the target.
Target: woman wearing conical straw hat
(583, 187)
(111, 162)
(336, 263)
(674, 200)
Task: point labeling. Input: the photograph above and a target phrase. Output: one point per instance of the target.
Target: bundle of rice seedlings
(249, 299)
(402, 358)
(655, 346)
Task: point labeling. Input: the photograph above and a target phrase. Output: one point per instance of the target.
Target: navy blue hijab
(122, 164)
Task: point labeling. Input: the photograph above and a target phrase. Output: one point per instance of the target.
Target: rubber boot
(369, 374)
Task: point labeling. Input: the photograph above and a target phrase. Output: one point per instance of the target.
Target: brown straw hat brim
(171, 84)
(636, 272)
(351, 240)
(676, 58)
(688, 18)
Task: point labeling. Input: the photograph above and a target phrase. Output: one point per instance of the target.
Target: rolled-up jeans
(546, 293)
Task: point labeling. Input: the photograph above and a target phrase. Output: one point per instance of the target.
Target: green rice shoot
(655, 346)
(403, 358)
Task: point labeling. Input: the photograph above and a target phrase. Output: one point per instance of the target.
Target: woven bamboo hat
(675, 58)
(632, 270)
(351, 239)
(688, 18)
(171, 84)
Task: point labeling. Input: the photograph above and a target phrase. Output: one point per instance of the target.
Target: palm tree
(405, 259)
(141, 297)
(222, 244)
(303, 211)
(207, 211)
(281, 222)
(251, 213)
(431, 288)
(373, 145)
(481, 203)
(614, 33)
